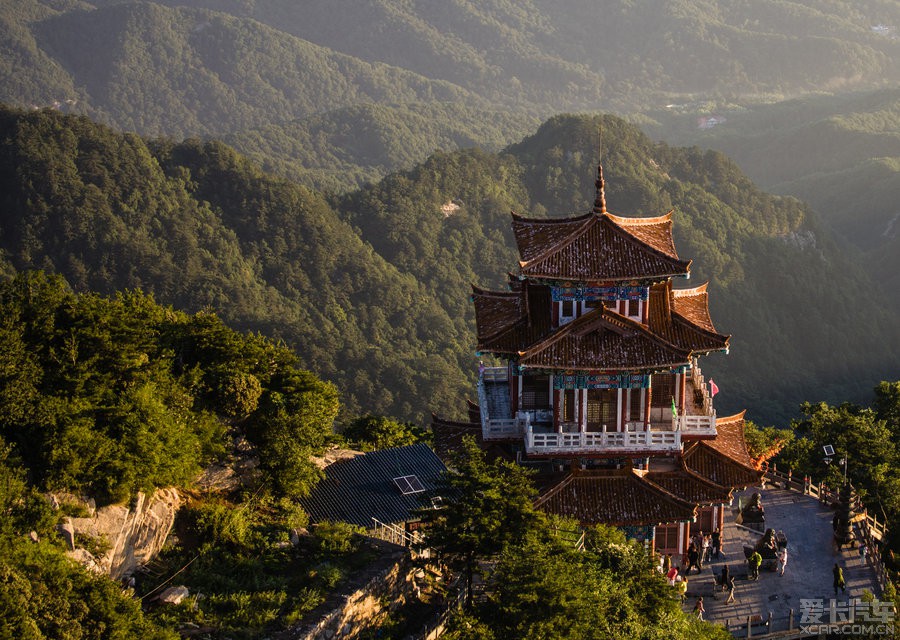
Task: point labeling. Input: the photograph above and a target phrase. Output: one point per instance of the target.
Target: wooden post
(749, 628)
(790, 621)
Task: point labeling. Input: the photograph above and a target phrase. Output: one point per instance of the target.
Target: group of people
(771, 543)
(703, 547)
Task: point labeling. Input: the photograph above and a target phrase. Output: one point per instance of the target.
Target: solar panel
(408, 485)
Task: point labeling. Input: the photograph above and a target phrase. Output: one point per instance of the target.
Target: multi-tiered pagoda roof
(625, 322)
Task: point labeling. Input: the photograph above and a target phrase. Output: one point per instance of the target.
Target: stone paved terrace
(811, 556)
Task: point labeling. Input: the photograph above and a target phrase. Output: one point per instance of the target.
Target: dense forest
(371, 288)
(185, 67)
(108, 396)
(838, 153)
(200, 227)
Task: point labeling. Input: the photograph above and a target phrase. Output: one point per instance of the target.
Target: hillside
(157, 70)
(839, 153)
(576, 54)
(200, 227)
(372, 290)
(342, 149)
(192, 67)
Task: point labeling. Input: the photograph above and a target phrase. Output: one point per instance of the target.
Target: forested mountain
(839, 153)
(372, 289)
(579, 54)
(153, 69)
(343, 149)
(185, 67)
(201, 227)
(790, 297)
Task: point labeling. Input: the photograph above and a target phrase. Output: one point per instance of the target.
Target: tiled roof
(495, 311)
(724, 459)
(616, 498)
(448, 435)
(362, 488)
(655, 232)
(693, 305)
(730, 440)
(689, 486)
(603, 340)
(508, 322)
(597, 247)
(533, 236)
(694, 331)
(717, 467)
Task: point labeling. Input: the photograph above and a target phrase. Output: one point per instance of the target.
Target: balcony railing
(699, 419)
(697, 425)
(496, 428)
(646, 440)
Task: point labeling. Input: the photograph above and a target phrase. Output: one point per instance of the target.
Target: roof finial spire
(600, 199)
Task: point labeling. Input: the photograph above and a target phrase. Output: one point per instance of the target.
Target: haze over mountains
(370, 283)
(191, 67)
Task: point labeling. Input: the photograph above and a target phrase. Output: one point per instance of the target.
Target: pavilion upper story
(601, 350)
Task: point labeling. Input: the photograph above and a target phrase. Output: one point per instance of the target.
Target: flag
(713, 389)
(674, 409)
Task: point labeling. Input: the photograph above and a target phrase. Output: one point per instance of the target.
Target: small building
(379, 489)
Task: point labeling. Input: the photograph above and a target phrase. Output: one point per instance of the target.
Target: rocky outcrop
(334, 455)
(131, 535)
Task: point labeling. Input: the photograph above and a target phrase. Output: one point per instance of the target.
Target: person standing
(782, 560)
(681, 586)
(717, 542)
(693, 559)
(753, 563)
(839, 583)
(671, 575)
(705, 549)
(726, 574)
(667, 563)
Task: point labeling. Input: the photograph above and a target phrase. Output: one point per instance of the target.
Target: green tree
(544, 588)
(293, 423)
(380, 432)
(490, 506)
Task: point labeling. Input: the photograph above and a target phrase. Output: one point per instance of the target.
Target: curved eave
(709, 341)
(666, 354)
(639, 227)
(693, 304)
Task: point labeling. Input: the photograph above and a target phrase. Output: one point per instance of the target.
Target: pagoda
(602, 391)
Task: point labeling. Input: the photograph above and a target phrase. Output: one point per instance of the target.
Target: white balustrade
(606, 441)
(697, 425)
